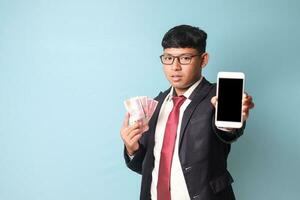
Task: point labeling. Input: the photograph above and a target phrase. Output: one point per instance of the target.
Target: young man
(181, 154)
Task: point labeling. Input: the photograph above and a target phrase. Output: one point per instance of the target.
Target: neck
(181, 91)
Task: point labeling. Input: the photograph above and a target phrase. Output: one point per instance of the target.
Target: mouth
(176, 78)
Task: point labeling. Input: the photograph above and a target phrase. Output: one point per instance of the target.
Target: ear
(205, 58)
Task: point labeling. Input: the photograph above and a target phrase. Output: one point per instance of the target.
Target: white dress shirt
(178, 186)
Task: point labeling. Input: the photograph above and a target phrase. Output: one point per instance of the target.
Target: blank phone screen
(230, 96)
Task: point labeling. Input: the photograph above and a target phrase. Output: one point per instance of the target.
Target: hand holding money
(132, 134)
(140, 110)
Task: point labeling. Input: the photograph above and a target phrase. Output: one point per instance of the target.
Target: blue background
(66, 67)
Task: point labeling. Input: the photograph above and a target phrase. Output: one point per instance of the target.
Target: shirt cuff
(226, 129)
(130, 156)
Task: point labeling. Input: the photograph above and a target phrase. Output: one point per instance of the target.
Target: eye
(167, 58)
(185, 58)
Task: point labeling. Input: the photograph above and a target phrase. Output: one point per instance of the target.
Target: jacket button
(186, 169)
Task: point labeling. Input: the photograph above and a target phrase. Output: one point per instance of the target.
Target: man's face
(182, 76)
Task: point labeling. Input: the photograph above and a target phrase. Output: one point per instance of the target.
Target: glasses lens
(166, 59)
(185, 59)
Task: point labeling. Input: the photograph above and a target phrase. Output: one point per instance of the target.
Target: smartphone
(230, 90)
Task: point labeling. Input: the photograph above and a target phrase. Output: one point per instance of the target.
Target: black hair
(185, 36)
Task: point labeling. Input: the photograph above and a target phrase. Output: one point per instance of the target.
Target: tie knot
(178, 100)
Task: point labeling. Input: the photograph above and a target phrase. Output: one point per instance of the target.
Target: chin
(179, 85)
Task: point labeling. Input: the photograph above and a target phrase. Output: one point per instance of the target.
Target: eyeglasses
(183, 59)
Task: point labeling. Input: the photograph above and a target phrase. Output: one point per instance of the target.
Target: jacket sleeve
(135, 164)
(228, 137)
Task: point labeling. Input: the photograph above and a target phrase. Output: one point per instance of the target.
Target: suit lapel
(197, 96)
(160, 98)
(153, 121)
(200, 92)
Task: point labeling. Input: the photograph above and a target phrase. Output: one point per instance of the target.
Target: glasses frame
(174, 57)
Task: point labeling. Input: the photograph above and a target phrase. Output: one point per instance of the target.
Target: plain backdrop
(66, 66)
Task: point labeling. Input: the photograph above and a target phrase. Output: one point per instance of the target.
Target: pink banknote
(151, 108)
(140, 109)
(135, 108)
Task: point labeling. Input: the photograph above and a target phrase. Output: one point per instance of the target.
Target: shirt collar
(187, 93)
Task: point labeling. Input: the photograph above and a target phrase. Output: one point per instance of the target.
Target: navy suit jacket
(203, 149)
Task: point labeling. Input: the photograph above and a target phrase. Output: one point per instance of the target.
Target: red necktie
(166, 154)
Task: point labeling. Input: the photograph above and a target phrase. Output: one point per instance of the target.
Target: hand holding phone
(230, 89)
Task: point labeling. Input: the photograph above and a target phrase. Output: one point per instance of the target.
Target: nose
(176, 64)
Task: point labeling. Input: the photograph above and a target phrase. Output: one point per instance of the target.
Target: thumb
(214, 100)
(126, 119)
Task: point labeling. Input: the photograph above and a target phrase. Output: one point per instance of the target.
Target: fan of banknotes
(140, 109)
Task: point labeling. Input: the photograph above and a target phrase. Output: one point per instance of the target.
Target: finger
(247, 100)
(126, 133)
(135, 138)
(126, 120)
(248, 106)
(141, 129)
(214, 100)
(132, 128)
(251, 105)
(245, 109)
(132, 134)
(245, 116)
(126, 130)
